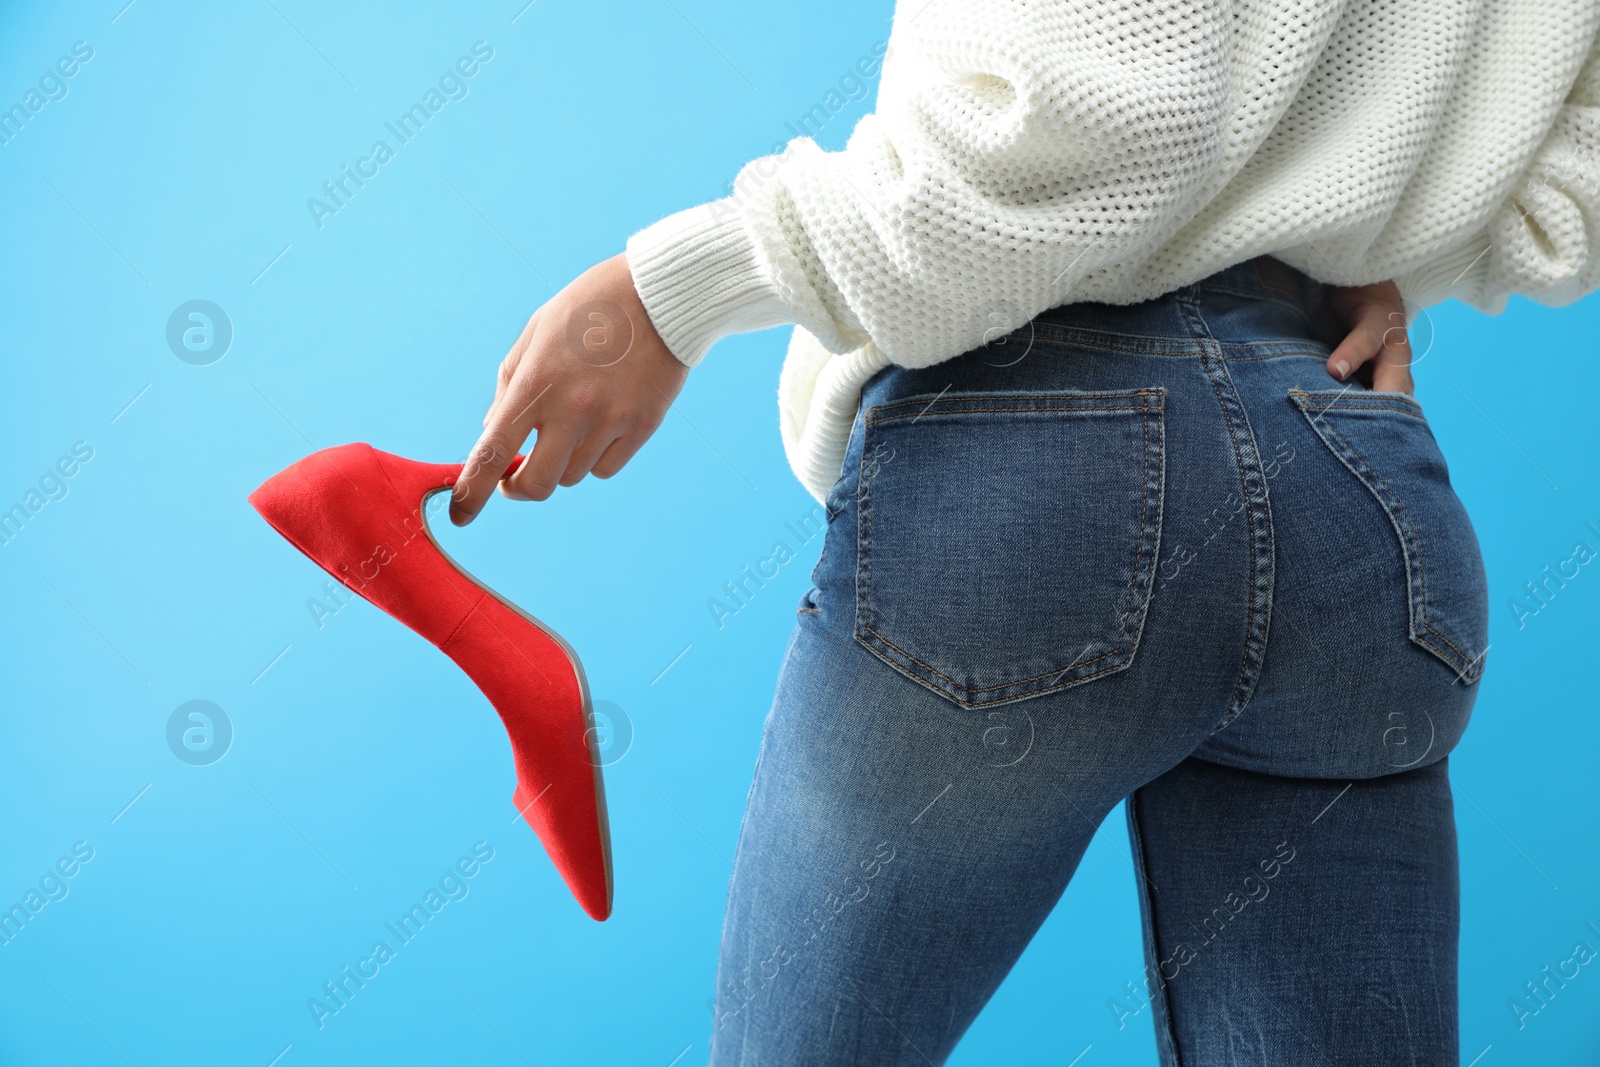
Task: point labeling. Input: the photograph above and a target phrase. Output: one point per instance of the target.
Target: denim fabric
(1150, 552)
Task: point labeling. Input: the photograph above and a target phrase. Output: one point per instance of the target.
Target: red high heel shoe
(358, 514)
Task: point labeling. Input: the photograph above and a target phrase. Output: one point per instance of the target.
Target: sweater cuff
(1459, 273)
(701, 277)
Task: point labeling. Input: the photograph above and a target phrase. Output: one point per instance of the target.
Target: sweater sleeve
(1015, 150)
(1543, 240)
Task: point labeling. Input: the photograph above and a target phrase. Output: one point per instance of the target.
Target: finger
(1393, 368)
(586, 455)
(487, 460)
(502, 379)
(508, 368)
(617, 455)
(513, 420)
(1361, 343)
(539, 474)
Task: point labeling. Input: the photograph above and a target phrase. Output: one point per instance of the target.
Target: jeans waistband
(1272, 278)
(1259, 304)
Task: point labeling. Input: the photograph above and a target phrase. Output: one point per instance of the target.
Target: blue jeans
(1151, 553)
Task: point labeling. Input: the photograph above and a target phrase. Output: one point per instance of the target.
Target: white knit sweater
(1030, 153)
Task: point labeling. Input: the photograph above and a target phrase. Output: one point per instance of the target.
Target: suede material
(358, 513)
(557, 782)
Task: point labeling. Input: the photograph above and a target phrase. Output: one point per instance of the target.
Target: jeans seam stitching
(1159, 987)
(864, 534)
(1001, 411)
(1159, 346)
(1173, 347)
(875, 416)
(1203, 335)
(1306, 350)
(1003, 685)
(1363, 402)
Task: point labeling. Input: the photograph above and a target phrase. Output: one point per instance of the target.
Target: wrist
(700, 276)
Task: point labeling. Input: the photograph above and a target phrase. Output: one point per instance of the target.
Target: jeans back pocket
(1383, 439)
(1008, 542)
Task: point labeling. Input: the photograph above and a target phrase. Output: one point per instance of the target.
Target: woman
(1101, 369)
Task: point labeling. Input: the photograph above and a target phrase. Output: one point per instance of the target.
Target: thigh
(896, 857)
(1299, 920)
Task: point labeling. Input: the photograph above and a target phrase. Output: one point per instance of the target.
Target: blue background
(363, 764)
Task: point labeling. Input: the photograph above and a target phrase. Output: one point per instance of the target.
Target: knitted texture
(1031, 153)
